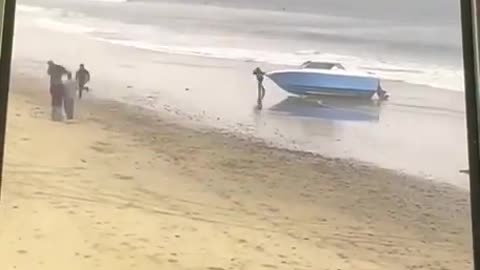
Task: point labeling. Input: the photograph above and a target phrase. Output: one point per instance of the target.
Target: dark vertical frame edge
(5, 70)
(468, 46)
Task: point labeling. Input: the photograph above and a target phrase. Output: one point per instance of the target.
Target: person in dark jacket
(259, 74)
(57, 90)
(82, 77)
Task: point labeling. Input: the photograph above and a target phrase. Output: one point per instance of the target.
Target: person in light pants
(71, 87)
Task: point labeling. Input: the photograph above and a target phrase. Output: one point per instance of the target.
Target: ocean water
(413, 41)
(140, 52)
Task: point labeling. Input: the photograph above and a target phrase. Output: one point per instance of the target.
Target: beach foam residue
(63, 26)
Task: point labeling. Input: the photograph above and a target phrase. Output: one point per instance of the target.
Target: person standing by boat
(82, 77)
(57, 90)
(259, 74)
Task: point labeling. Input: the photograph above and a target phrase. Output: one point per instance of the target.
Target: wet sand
(121, 188)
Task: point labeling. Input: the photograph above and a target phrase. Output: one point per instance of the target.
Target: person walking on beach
(82, 77)
(261, 90)
(56, 73)
(70, 94)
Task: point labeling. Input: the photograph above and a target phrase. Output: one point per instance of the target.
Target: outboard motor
(382, 94)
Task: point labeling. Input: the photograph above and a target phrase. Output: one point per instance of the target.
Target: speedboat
(327, 79)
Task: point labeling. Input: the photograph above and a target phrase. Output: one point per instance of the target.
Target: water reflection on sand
(330, 108)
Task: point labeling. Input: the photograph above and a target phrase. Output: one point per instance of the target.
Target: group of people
(63, 92)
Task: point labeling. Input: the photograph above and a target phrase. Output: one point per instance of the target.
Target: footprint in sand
(270, 266)
(144, 240)
(123, 177)
(242, 241)
(342, 256)
(22, 251)
(102, 147)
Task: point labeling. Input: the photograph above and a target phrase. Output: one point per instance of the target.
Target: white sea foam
(416, 73)
(61, 21)
(30, 9)
(63, 26)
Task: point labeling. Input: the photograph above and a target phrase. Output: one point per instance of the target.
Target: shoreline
(134, 112)
(125, 165)
(312, 133)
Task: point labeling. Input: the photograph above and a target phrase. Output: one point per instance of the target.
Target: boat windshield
(322, 65)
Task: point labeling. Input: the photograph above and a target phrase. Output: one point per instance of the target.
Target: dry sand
(121, 189)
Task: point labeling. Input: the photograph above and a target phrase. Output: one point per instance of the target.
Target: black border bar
(5, 69)
(471, 86)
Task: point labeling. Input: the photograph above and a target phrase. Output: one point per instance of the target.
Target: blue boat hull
(318, 84)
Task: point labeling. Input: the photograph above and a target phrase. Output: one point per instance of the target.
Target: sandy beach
(120, 188)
